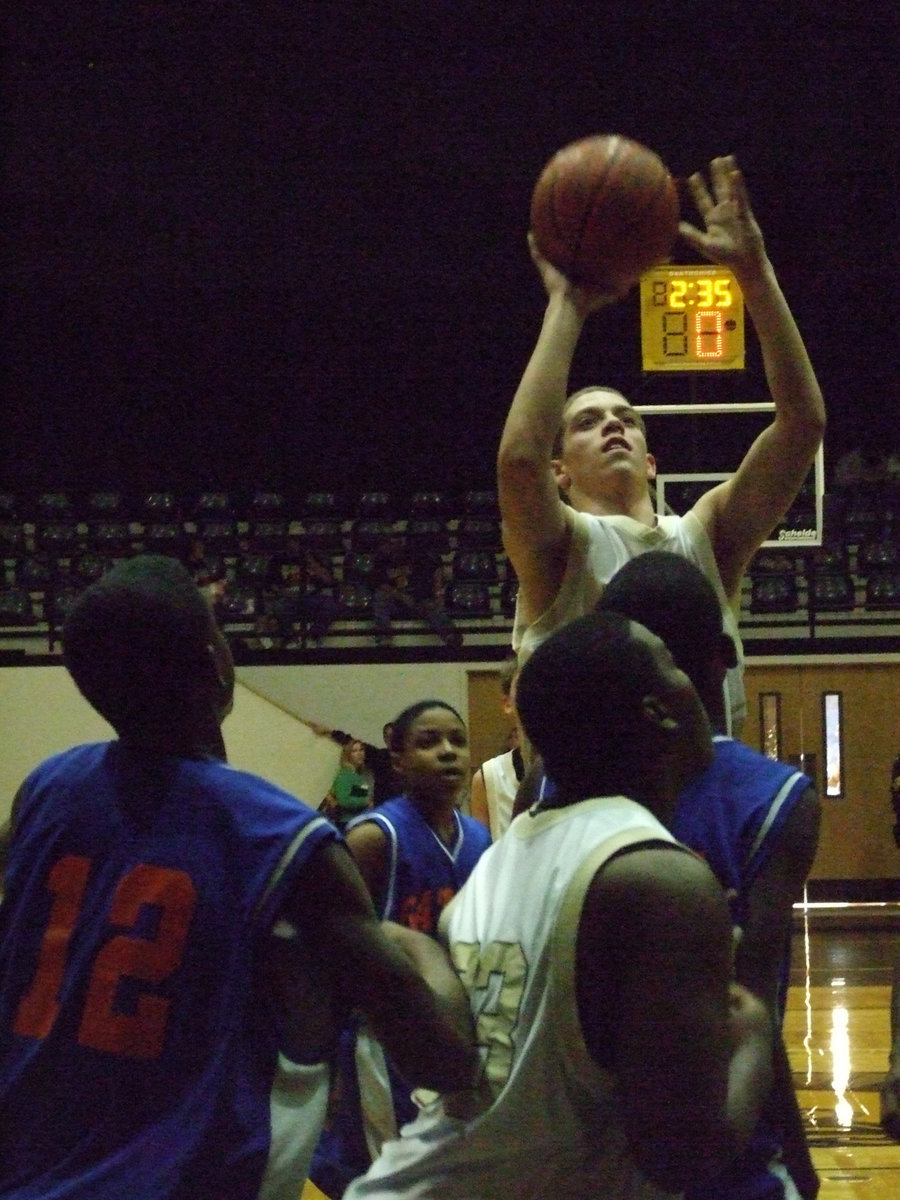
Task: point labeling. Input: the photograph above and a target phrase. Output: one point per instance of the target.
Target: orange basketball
(604, 210)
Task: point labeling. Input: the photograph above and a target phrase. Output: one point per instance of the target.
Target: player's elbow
(526, 449)
(808, 429)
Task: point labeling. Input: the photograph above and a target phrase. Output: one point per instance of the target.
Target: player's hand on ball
(585, 299)
(732, 236)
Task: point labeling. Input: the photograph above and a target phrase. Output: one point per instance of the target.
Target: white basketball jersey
(544, 1122)
(500, 787)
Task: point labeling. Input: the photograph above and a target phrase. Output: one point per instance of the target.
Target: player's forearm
(750, 1072)
(536, 410)
(789, 372)
(428, 1027)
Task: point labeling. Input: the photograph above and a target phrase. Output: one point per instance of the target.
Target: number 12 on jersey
(692, 319)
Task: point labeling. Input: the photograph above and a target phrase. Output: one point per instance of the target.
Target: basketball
(604, 210)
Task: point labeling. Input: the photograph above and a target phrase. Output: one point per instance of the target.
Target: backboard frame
(787, 537)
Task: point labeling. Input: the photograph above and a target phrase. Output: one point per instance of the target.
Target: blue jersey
(423, 873)
(732, 815)
(370, 1101)
(137, 1046)
(736, 837)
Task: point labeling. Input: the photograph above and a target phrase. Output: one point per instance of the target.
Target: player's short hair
(401, 725)
(135, 641)
(580, 699)
(674, 599)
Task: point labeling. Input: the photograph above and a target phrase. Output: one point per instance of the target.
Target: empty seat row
(51, 506)
(833, 591)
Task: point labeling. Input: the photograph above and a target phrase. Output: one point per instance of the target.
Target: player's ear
(560, 474)
(651, 467)
(657, 713)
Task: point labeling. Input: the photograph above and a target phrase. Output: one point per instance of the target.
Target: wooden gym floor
(837, 1031)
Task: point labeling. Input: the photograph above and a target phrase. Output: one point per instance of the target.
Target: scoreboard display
(692, 319)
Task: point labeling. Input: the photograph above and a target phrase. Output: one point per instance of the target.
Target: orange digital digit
(708, 330)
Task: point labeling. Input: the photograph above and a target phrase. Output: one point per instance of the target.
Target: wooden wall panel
(856, 840)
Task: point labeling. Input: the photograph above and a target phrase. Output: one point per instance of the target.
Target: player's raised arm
(535, 526)
(740, 513)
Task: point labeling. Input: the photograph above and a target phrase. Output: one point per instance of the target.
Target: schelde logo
(788, 535)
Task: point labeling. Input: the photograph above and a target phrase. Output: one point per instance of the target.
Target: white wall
(360, 699)
(42, 712)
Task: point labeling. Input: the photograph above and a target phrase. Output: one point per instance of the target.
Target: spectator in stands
(351, 791)
(864, 464)
(410, 583)
(300, 592)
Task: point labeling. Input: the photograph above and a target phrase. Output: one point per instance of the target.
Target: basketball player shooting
(592, 446)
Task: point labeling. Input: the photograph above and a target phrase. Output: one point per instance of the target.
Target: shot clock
(692, 319)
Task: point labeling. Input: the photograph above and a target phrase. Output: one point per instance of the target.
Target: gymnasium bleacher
(248, 552)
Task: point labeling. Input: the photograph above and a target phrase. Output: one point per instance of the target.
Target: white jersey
(500, 786)
(599, 546)
(545, 1120)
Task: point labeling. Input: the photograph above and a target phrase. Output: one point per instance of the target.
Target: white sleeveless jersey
(500, 787)
(545, 1120)
(599, 546)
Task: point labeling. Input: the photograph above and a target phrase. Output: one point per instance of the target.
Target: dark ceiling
(284, 243)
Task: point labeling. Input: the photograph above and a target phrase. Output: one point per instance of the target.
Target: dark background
(283, 244)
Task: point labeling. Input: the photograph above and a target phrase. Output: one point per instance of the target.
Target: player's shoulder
(83, 757)
(734, 756)
(654, 877)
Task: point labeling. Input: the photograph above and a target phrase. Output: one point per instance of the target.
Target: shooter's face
(602, 436)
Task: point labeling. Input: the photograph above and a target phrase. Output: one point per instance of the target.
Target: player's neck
(624, 502)
(439, 814)
(204, 741)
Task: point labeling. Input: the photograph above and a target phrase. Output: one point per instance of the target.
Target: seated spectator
(351, 791)
(411, 583)
(300, 586)
(861, 465)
